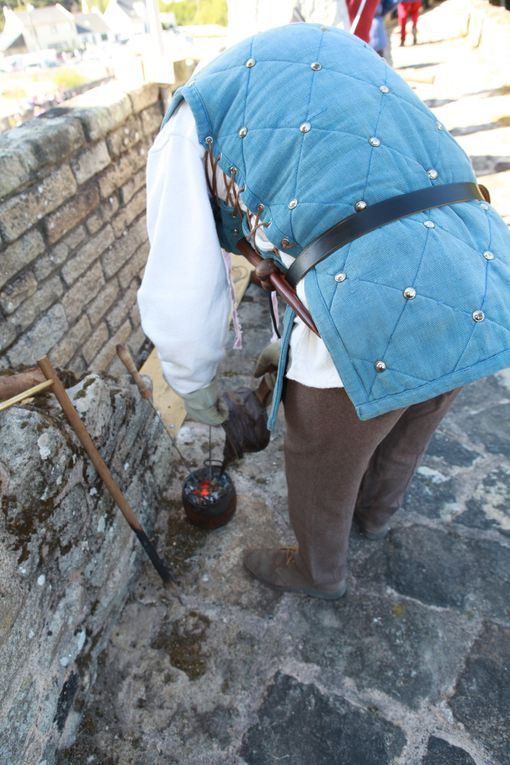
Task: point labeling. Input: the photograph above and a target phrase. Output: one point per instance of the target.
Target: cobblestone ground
(413, 666)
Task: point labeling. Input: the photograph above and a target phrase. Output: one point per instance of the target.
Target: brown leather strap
(375, 216)
(279, 283)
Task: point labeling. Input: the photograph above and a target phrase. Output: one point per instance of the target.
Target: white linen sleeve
(184, 297)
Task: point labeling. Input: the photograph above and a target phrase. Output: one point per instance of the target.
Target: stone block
(96, 342)
(122, 309)
(144, 97)
(26, 149)
(104, 214)
(54, 256)
(47, 293)
(151, 120)
(18, 290)
(95, 222)
(90, 162)
(40, 338)
(86, 254)
(135, 315)
(126, 216)
(132, 271)
(78, 365)
(299, 723)
(477, 396)
(446, 570)
(7, 337)
(402, 648)
(488, 508)
(103, 360)
(21, 212)
(117, 368)
(66, 562)
(135, 183)
(72, 341)
(440, 752)
(123, 248)
(447, 448)
(15, 168)
(481, 701)
(486, 431)
(431, 492)
(15, 257)
(136, 342)
(54, 138)
(103, 302)
(21, 717)
(121, 171)
(83, 292)
(102, 110)
(71, 213)
(125, 137)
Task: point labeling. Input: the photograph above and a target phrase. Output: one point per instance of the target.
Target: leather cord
(377, 215)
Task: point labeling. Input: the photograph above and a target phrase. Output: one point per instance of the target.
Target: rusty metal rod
(280, 284)
(79, 428)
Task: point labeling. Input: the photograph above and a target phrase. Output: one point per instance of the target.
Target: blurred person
(361, 14)
(351, 15)
(307, 143)
(379, 39)
(333, 13)
(408, 10)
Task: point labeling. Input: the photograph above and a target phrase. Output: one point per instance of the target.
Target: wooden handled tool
(14, 384)
(128, 361)
(24, 394)
(79, 428)
(280, 284)
(125, 356)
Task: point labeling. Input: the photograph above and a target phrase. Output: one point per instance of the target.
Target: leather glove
(267, 368)
(246, 427)
(206, 406)
(267, 362)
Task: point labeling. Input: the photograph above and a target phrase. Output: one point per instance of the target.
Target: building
(126, 17)
(37, 29)
(92, 29)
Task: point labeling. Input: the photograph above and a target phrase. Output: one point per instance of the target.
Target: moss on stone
(184, 644)
(21, 522)
(182, 539)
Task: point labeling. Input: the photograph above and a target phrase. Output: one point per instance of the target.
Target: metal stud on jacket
(321, 140)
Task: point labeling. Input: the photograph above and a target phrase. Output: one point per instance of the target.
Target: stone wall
(73, 244)
(73, 240)
(67, 557)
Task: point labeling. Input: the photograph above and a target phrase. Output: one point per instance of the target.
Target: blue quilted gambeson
(312, 121)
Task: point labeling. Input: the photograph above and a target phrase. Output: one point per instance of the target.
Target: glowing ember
(204, 489)
(206, 486)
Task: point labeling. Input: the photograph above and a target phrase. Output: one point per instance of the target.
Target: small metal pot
(209, 497)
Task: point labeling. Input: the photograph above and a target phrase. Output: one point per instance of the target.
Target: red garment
(406, 11)
(365, 21)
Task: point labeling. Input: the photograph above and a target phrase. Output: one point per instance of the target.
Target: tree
(197, 11)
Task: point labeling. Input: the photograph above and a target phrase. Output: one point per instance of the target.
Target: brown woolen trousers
(338, 465)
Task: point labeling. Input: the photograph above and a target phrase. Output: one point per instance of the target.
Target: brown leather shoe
(371, 532)
(277, 569)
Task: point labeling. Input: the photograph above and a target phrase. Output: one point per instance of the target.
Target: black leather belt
(377, 215)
